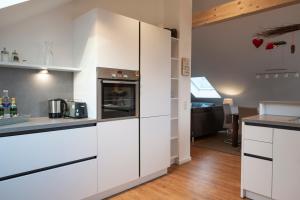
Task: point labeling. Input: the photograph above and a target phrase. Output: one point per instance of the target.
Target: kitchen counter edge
(273, 121)
(44, 124)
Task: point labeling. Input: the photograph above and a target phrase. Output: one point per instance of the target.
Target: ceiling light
(276, 75)
(7, 3)
(297, 75)
(286, 75)
(44, 71)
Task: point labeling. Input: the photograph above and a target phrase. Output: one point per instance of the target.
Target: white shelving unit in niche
(175, 64)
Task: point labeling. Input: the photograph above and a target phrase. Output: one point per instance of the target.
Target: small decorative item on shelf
(15, 56)
(48, 53)
(4, 55)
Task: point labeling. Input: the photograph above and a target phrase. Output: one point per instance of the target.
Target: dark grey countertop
(274, 120)
(44, 123)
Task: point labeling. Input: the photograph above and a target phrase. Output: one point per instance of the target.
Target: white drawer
(257, 176)
(34, 151)
(258, 133)
(258, 148)
(72, 182)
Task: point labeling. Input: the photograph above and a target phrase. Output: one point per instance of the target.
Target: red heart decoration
(257, 42)
(270, 46)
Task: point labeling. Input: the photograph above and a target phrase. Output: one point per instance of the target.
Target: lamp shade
(228, 101)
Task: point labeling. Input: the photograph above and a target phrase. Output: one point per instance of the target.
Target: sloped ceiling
(16, 13)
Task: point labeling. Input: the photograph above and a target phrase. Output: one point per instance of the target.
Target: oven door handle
(121, 82)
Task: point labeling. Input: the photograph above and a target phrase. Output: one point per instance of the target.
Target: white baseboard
(174, 161)
(122, 188)
(185, 160)
(252, 195)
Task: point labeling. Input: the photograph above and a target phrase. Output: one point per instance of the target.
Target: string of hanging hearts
(274, 32)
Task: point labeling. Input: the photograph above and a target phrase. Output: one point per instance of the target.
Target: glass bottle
(13, 108)
(6, 104)
(4, 55)
(1, 109)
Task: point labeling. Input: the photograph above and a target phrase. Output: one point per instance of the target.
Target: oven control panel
(109, 73)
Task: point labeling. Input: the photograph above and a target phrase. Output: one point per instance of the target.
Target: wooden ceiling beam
(237, 8)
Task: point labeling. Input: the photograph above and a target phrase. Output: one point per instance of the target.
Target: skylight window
(201, 88)
(7, 3)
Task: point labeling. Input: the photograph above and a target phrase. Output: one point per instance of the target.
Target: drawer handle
(46, 168)
(258, 157)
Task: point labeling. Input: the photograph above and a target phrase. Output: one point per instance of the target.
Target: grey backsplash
(33, 90)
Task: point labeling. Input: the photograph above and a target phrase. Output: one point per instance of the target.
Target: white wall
(179, 15)
(185, 51)
(27, 31)
(224, 53)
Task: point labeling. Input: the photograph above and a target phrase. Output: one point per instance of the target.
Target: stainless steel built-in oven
(117, 94)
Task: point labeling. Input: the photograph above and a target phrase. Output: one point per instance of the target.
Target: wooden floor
(211, 175)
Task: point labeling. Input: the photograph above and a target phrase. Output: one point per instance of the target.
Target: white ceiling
(16, 13)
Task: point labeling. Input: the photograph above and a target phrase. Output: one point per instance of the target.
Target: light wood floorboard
(211, 175)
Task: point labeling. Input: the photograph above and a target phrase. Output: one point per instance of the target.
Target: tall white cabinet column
(155, 69)
(102, 39)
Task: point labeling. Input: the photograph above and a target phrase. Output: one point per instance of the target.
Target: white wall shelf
(174, 100)
(38, 67)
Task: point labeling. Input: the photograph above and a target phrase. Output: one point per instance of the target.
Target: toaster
(77, 110)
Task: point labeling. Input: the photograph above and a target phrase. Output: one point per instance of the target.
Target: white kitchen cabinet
(155, 144)
(258, 133)
(257, 162)
(102, 39)
(118, 153)
(71, 182)
(286, 160)
(34, 151)
(155, 71)
(257, 175)
(258, 148)
(106, 39)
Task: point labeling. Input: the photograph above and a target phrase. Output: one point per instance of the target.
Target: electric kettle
(57, 108)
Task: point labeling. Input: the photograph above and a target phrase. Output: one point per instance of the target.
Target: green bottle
(1, 109)
(13, 108)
